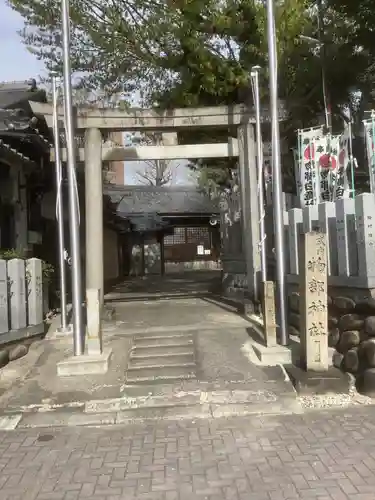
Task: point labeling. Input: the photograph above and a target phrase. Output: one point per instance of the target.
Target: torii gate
(94, 121)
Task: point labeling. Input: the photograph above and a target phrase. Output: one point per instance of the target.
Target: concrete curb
(193, 405)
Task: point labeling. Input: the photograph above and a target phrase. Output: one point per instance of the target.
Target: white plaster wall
(111, 263)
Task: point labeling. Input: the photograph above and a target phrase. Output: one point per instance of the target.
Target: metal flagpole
(276, 178)
(262, 228)
(78, 334)
(59, 207)
(351, 157)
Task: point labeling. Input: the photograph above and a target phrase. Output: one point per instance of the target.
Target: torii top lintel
(153, 119)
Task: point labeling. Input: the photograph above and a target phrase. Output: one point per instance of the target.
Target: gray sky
(17, 63)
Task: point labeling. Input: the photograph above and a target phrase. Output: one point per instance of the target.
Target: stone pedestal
(313, 302)
(97, 359)
(272, 356)
(314, 382)
(96, 364)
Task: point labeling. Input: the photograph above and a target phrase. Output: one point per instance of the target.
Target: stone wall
(351, 330)
(234, 279)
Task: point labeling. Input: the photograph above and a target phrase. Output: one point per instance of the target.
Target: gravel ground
(335, 400)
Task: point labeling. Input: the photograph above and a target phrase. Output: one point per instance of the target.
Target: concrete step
(162, 334)
(159, 360)
(161, 350)
(160, 374)
(154, 366)
(181, 340)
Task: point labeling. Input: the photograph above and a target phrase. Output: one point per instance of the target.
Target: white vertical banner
(341, 188)
(308, 140)
(370, 146)
(327, 157)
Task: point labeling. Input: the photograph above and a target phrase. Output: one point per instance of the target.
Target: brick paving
(326, 455)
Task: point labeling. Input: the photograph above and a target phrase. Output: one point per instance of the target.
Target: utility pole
(262, 228)
(323, 62)
(78, 328)
(277, 179)
(59, 206)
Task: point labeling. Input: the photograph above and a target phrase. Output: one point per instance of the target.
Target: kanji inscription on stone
(34, 279)
(269, 313)
(313, 302)
(4, 316)
(18, 299)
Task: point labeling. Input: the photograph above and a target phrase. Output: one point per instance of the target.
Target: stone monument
(269, 314)
(313, 302)
(268, 350)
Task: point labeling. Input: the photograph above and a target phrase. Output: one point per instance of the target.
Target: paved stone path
(322, 456)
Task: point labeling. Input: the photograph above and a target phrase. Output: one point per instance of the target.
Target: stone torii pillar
(250, 209)
(94, 211)
(97, 359)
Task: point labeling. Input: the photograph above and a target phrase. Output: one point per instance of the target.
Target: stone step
(160, 360)
(163, 334)
(160, 374)
(161, 350)
(181, 340)
(155, 366)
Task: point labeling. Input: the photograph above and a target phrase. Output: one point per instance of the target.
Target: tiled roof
(14, 93)
(160, 200)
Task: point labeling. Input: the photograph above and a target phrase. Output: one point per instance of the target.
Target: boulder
(348, 340)
(332, 322)
(333, 337)
(367, 352)
(363, 336)
(351, 361)
(345, 304)
(294, 320)
(366, 307)
(367, 382)
(350, 322)
(369, 326)
(4, 358)
(18, 352)
(337, 359)
(294, 302)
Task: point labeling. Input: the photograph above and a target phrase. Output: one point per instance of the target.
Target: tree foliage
(200, 52)
(157, 173)
(153, 172)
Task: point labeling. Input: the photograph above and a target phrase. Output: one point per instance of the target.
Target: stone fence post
(34, 291)
(4, 315)
(18, 298)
